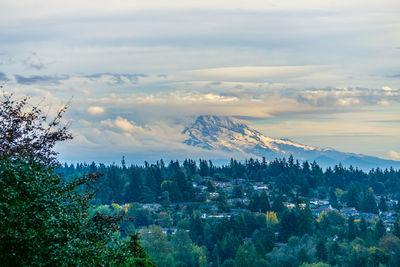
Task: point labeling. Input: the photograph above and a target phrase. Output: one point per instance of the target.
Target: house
(315, 202)
(350, 211)
(289, 205)
(323, 208)
(369, 216)
(231, 201)
(152, 206)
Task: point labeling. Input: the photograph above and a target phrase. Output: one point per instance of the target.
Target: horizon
(319, 74)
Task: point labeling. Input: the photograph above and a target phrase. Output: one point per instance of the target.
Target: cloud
(124, 125)
(251, 73)
(116, 78)
(394, 155)
(393, 76)
(3, 77)
(352, 97)
(34, 62)
(42, 80)
(95, 110)
(268, 59)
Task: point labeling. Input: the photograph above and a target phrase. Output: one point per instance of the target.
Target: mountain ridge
(229, 134)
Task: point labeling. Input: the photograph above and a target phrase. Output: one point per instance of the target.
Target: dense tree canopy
(44, 220)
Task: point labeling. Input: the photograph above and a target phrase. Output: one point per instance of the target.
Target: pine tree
(382, 204)
(379, 230)
(321, 251)
(352, 229)
(352, 196)
(306, 220)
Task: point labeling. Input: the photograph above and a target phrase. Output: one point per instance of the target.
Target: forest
(255, 212)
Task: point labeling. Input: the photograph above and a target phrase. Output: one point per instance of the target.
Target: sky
(136, 73)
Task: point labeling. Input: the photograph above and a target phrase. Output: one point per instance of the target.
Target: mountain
(233, 135)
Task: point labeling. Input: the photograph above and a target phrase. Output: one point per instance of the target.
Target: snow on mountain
(233, 135)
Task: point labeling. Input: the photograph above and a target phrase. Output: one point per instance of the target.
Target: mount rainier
(233, 135)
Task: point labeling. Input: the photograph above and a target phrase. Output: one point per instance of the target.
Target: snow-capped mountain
(233, 135)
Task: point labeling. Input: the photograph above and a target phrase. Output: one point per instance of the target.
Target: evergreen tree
(288, 225)
(321, 251)
(382, 204)
(352, 196)
(368, 203)
(333, 199)
(277, 205)
(352, 231)
(379, 230)
(302, 256)
(306, 221)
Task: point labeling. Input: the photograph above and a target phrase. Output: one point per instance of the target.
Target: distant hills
(232, 135)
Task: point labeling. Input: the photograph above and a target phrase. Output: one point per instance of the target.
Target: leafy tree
(378, 257)
(46, 221)
(156, 244)
(227, 246)
(172, 188)
(390, 244)
(264, 240)
(186, 252)
(271, 219)
(245, 256)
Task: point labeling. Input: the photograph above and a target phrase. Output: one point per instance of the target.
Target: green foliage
(382, 205)
(396, 228)
(245, 256)
(379, 229)
(317, 264)
(271, 219)
(347, 242)
(288, 225)
(331, 223)
(259, 202)
(46, 221)
(264, 240)
(187, 252)
(368, 202)
(321, 251)
(352, 231)
(156, 244)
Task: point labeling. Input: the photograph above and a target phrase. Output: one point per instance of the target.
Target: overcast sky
(322, 73)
